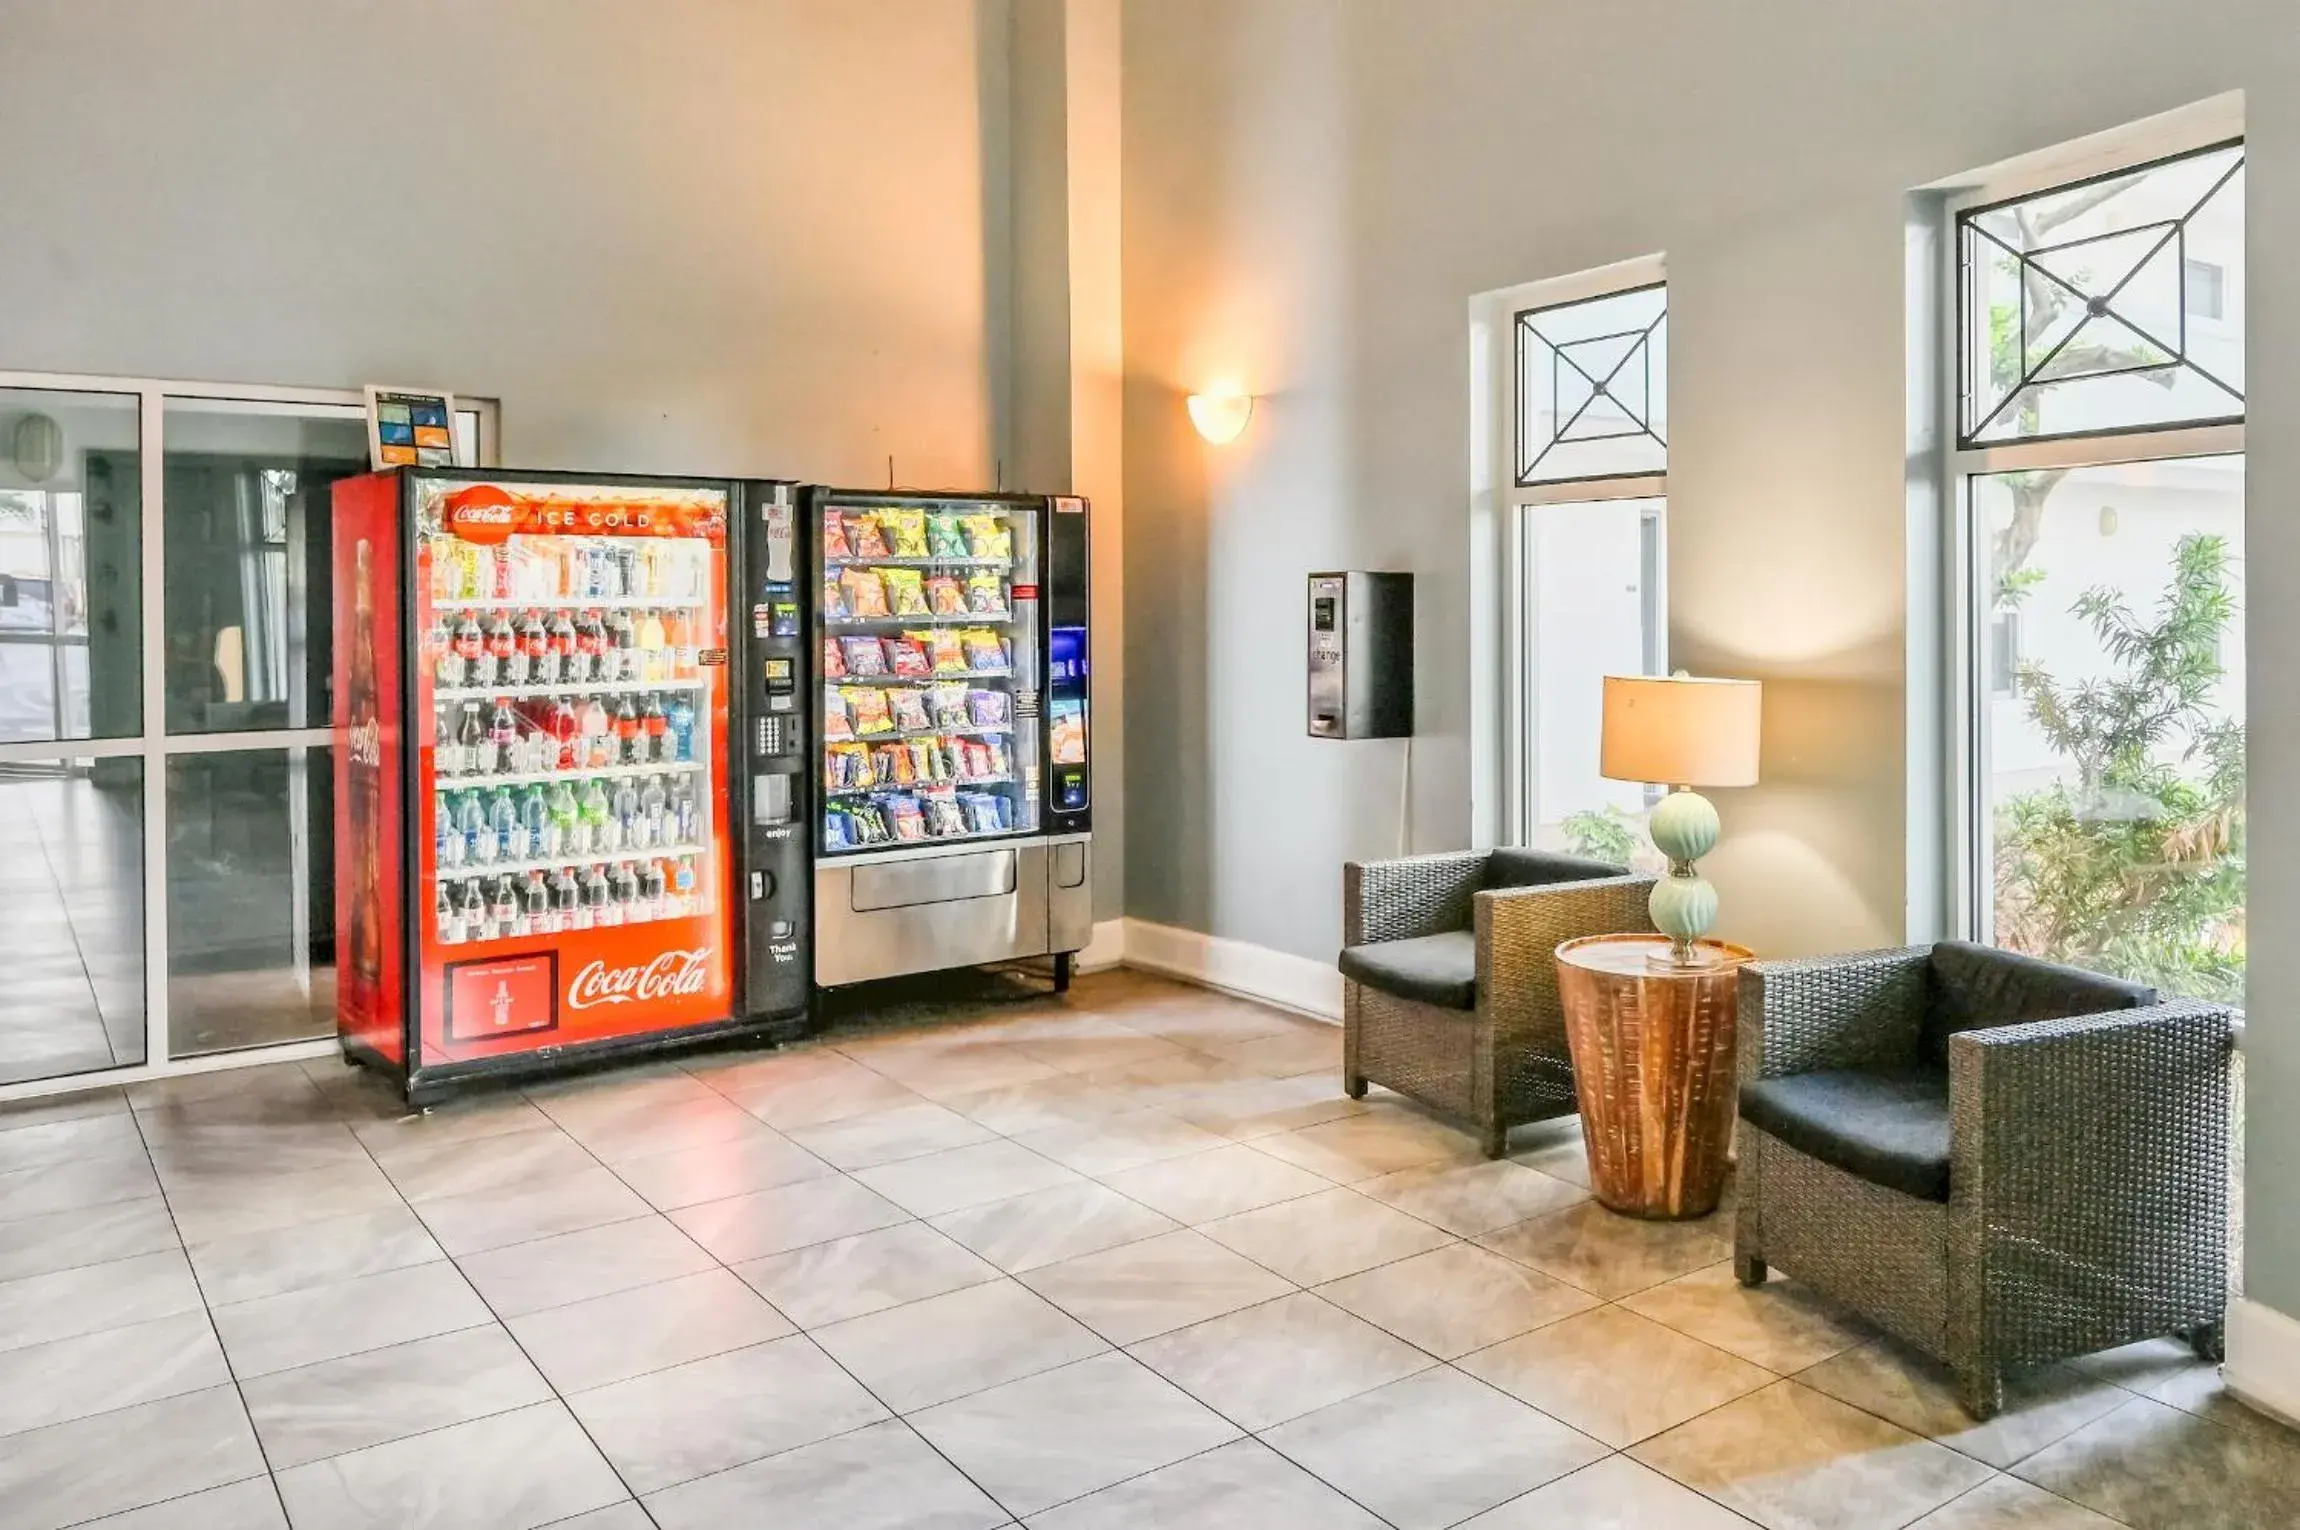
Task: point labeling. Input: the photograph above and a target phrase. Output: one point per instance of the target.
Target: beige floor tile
(1131, 1292)
(1792, 1459)
(69, 1140)
(1045, 1227)
(1064, 1433)
(51, 1188)
(1122, 1142)
(1304, 1048)
(944, 1073)
(2155, 1467)
(1779, 1325)
(1456, 1299)
(1092, 1053)
(786, 1217)
(1474, 1198)
(1615, 1375)
(1556, 1148)
(1244, 1485)
(467, 1120)
(66, 1303)
(303, 1327)
(673, 1128)
(229, 1206)
(1206, 1186)
(434, 1170)
(99, 1234)
(948, 1346)
(1605, 1253)
(529, 1467)
(1285, 1358)
(880, 1477)
(2041, 1405)
(1433, 1449)
(962, 1177)
(1368, 1146)
(1034, 1105)
(1614, 1494)
(253, 1504)
(851, 1277)
(65, 1379)
(469, 1224)
(576, 1266)
(111, 1462)
(311, 1254)
(719, 1171)
(2007, 1503)
(1251, 1109)
(650, 1328)
(675, 1425)
(811, 1088)
(886, 1136)
(1325, 1236)
(382, 1395)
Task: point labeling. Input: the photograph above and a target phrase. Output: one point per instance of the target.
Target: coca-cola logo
(483, 513)
(671, 975)
(366, 743)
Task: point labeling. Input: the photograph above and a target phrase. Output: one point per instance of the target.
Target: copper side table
(1653, 1062)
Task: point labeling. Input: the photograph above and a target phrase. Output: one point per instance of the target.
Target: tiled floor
(1125, 1260)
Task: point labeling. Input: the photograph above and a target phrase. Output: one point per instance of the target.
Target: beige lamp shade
(1680, 731)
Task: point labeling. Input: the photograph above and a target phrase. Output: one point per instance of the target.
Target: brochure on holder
(410, 427)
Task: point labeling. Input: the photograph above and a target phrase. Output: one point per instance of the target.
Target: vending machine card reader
(1361, 642)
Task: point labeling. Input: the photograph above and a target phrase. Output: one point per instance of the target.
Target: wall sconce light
(1221, 416)
(37, 447)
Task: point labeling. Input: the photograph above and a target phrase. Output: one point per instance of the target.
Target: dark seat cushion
(1429, 969)
(1539, 868)
(1889, 1128)
(1974, 987)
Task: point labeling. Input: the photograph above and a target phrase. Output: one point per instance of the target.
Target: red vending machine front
(537, 836)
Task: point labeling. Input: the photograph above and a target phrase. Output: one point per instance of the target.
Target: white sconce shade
(1221, 417)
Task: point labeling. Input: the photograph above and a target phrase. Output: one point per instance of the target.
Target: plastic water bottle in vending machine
(681, 822)
(563, 824)
(503, 823)
(681, 719)
(654, 803)
(471, 819)
(534, 822)
(447, 833)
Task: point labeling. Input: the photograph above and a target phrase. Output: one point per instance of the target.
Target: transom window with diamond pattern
(1593, 389)
(2082, 309)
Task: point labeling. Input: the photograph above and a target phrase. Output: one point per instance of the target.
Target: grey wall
(1313, 190)
(740, 236)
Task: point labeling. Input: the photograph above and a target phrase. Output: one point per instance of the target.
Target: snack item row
(905, 817)
(855, 593)
(866, 711)
(919, 534)
(938, 651)
(852, 766)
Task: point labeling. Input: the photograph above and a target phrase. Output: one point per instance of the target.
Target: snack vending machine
(555, 838)
(956, 787)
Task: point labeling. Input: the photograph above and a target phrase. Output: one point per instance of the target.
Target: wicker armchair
(1449, 990)
(2000, 1161)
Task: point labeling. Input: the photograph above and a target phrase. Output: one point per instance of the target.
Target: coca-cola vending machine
(572, 796)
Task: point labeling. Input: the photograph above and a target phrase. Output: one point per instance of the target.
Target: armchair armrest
(1416, 895)
(2089, 1156)
(1820, 1013)
(1520, 928)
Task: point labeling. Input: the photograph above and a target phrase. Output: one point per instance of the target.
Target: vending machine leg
(1062, 972)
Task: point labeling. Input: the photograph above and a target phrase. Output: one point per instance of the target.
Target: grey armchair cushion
(1889, 1127)
(1540, 868)
(1429, 969)
(1974, 987)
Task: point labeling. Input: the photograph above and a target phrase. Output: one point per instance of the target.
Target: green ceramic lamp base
(1683, 906)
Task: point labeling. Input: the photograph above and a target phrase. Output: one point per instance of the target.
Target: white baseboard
(1107, 949)
(2263, 1367)
(1234, 966)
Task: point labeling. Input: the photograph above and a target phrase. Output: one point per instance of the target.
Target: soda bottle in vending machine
(503, 737)
(505, 911)
(535, 898)
(470, 647)
(535, 649)
(597, 819)
(474, 911)
(598, 734)
(622, 648)
(471, 753)
(562, 824)
(502, 649)
(652, 886)
(681, 720)
(439, 646)
(590, 644)
(655, 723)
(599, 897)
(630, 741)
(566, 900)
(560, 636)
(625, 889)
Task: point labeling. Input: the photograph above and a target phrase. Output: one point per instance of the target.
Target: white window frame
(154, 745)
(1502, 563)
(1969, 855)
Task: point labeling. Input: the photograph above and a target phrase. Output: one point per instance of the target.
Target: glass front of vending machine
(565, 773)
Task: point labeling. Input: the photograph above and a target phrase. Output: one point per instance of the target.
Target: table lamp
(1681, 732)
